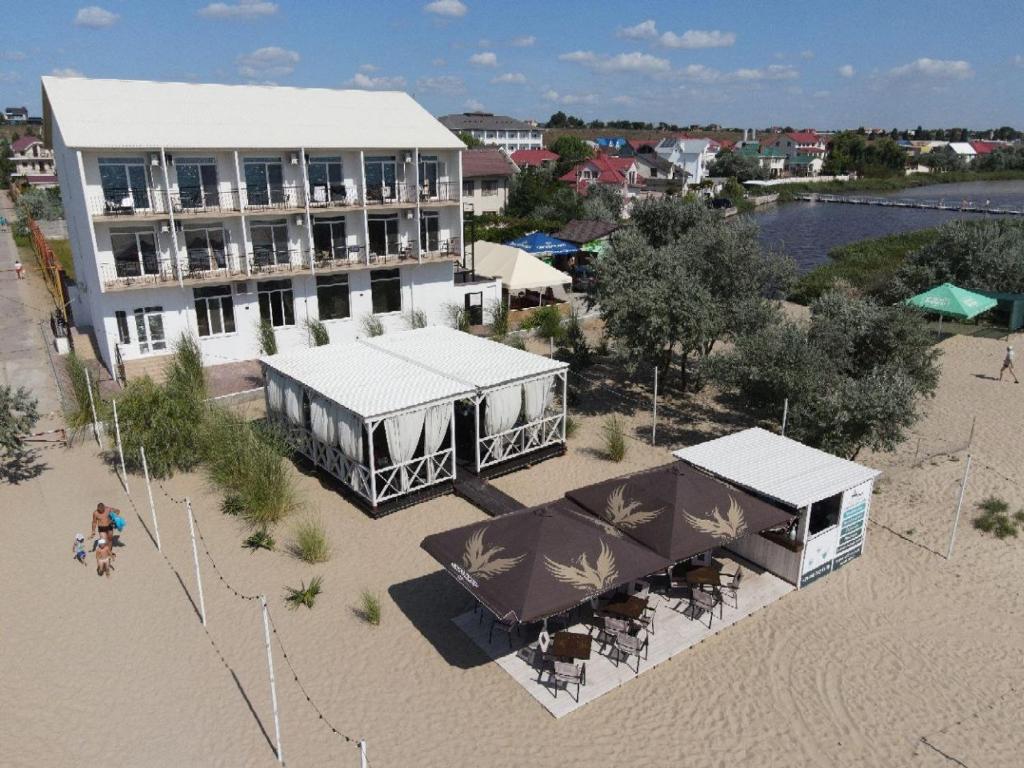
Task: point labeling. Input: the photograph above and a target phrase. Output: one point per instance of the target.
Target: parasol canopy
(538, 242)
(952, 301)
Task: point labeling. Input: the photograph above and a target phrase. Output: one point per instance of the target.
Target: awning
(677, 510)
(539, 562)
(951, 301)
(518, 270)
(538, 242)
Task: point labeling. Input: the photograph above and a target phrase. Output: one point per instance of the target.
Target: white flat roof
(145, 114)
(476, 362)
(776, 466)
(366, 380)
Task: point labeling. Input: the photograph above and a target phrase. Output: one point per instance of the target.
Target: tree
(571, 150)
(855, 375)
(734, 165)
(603, 202)
(562, 120)
(536, 193)
(942, 160)
(18, 417)
(6, 164)
(471, 141)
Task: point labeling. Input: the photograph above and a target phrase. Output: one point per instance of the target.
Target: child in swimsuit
(79, 548)
(104, 558)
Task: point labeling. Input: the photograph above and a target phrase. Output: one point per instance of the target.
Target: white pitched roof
(962, 148)
(776, 466)
(143, 114)
(517, 269)
(471, 360)
(366, 380)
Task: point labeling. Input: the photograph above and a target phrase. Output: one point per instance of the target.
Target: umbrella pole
(940, 327)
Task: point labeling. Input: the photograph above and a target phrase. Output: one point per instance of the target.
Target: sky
(820, 64)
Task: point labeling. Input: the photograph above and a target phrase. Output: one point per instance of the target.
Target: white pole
(92, 407)
(959, 504)
(476, 431)
(362, 754)
(785, 415)
(654, 409)
(273, 684)
(120, 451)
(551, 343)
(149, 489)
(195, 558)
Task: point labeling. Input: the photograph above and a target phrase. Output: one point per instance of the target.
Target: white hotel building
(205, 209)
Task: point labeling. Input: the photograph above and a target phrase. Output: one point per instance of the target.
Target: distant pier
(927, 205)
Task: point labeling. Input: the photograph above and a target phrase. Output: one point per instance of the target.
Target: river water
(808, 231)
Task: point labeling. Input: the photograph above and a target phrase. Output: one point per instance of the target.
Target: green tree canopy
(602, 202)
(18, 417)
(571, 150)
(536, 193)
(471, 141)
(735, 165)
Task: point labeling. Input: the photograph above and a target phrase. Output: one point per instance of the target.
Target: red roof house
(525, 158)
(985, 147)
(604, 169)
(18, 146)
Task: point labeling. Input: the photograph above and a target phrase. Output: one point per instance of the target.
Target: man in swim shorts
(102, 525)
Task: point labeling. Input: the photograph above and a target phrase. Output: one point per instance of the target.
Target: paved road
(24, 304)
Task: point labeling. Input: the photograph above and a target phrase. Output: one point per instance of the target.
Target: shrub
(18, 417)
(311, 543)
(318, 335)
(994, 518)
(514, 340)
(614, 438)
(81, 415)
(372, 325)
(267, 337)
(416, 318)
(499, 318)
(259, 540)
(232, 505)
(546, 322)
(304, 595)
(576, 350)
(458, 317)
(369, 607)
(571, 425)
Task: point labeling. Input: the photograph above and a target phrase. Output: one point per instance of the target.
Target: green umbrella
(947, 300)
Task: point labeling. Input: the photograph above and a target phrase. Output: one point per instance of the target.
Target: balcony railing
(198, 201)
(395, 193)
(270, 260)
(275, 198)
(128, 274)
(211, 265)
(127, 202)
(441, 192)
(333, 195)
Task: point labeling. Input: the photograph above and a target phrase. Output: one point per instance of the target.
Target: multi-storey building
(496, 130)
(210, 209)
(33, 161)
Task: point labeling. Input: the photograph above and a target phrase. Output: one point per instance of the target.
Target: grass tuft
(372, 325)
(311, 543)
(571, 425)
(267, 337)
(995, 518)
(260, 540)
(416, 318)
(318, 335)
(304, 595)
(614, 438)
(369, 608)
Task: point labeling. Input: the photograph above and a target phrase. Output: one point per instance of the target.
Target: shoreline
(787, 192)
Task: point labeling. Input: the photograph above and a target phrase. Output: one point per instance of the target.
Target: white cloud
(510, 77)
(264, 63)
(523, 41)
(66, 72)
(623, 62)
(452, 8)
(771, 72)
(243, 9)
(484, 59)
(700, 73)
(95, 17)
(947, 69)
(698, 38)
(473, 105)
(368, 67)
(381, 83)
(441, 84)
(568, 99)
(12, 56)
(807, 55)
(645, 30)
(847, 70)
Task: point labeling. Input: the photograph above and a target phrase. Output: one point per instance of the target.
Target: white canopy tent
(333, 399)
(518, 270)
(514, 388)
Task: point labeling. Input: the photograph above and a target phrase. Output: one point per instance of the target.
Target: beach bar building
(830, 496)
(394, 418)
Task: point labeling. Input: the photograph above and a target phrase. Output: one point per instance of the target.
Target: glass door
(383, 235)
(326, 181)
(381, 176)
(135, 253)
(125, 184)
(429, 173)
(264, 181)
(149, 326)
(429, 232)
(269, 243)
(197, 182)
(329, 239)
(206, 248)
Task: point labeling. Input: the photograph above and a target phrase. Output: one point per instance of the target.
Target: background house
(496, 130)
(622, 172)
(486, 177)
(33, 162)
(16, 115)
(534, 158)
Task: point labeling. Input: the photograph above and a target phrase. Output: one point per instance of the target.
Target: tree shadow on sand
(27, 465)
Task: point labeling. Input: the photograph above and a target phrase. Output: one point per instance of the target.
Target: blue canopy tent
(540, 244)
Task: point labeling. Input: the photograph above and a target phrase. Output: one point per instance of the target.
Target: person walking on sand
(104, 558)
(19, 269)
(1008, 364)
(78, 548)
(102, 525)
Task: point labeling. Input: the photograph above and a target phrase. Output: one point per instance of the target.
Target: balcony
(275, 198)
(333, 196)
(265, 261)
(141, 204)
(393, 194)
(198, 202)
(442, 192)
(149, 273)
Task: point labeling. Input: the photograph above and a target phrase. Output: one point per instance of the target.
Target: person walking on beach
(78, 548)
(102, 525)
(1008, 364)
(104, 558)
(19, 269)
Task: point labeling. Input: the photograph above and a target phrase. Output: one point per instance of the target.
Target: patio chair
(705, 602)
(503, 627)
(627, 645)
(731, 588)
(567, 673)
(608, 628)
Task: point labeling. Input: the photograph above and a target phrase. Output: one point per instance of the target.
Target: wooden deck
(675, 631)
(480, 493)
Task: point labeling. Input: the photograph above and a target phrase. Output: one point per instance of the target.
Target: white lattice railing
(353, 474)
(520, 440)
(409, 476)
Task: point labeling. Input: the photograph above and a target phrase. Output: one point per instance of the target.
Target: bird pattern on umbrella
(484, 563)
(584, 576)
(627, 514)
(729, 526)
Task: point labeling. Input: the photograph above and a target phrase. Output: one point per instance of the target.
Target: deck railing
(127, 202)
(409, 476)
(268, 260)
(333, 195)
(275, 198)
(196, 200)
(133, 274)
(391, 194)
(519, 440)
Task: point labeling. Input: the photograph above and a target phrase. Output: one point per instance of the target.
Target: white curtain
(403, 432)
(435, 425)
(503, 406)
(275, 396)
(349, 429)
(322, 419)
(536, 398)
(293, 401)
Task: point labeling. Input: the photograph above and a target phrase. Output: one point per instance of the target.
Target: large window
(269, 243)
(135, 252)
(468, 188)
(121, 318)
(124, 182)
(429, 231)
(197, 181)
(264, 180)
(332, 296)
(149, 326)
(825, 514)
(431, 169)
(489, 187)
(383, 234)
(329, 239)
(386, 287)
(326, 180)
(215, 311)
(381, 175)
(276, 302)
(205, 245)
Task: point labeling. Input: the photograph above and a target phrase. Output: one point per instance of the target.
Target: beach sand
(898, 647)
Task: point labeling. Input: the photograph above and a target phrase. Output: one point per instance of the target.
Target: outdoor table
(627, 608)
(570, 645)
(704, 576)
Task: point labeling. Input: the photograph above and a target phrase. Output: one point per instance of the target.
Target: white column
(565, 400)
(451, 432)
(241, 211)
(419, 227)
(366, 221)
(170, 213)
(476, 427)
(309, 219)
(462, 225)
(373, 468)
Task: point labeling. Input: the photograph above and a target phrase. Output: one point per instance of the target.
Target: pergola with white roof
(831, 494)
(512, 390)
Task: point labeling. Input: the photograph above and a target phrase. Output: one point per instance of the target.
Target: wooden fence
(51, 269)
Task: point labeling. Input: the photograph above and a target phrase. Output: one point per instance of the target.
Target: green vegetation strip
(788, 192)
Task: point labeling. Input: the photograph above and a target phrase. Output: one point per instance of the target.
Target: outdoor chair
(609, 628)
(731, 588)
(705, 602)
(503, 627)
(567, 673)
(319, 194)
(533, 657)
(627, 645)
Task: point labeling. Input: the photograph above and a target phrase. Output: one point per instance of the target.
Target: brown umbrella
(538, 562)
(677, 510)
